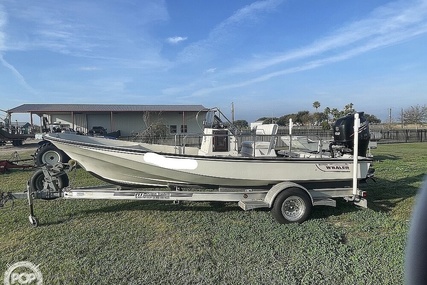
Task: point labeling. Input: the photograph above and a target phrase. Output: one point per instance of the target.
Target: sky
(268, 58)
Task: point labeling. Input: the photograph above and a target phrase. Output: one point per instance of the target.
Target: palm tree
(349, 108)
(316, 105)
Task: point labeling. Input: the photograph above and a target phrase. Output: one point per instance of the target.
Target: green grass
(133, 242)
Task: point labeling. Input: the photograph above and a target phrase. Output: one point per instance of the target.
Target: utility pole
(232, 112)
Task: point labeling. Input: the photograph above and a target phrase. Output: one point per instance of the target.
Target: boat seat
(261, 148)
(267, 129)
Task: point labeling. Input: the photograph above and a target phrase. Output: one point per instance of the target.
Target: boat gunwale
(143, 150)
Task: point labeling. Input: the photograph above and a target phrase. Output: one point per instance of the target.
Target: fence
(404, 135)
(380, 135)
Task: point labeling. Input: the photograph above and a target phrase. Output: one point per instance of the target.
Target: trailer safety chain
(72, 170)
(5, 197)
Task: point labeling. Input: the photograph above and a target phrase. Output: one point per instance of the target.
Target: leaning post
(355, 151)
(291, 125)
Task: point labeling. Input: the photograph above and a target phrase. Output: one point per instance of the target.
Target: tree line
(416, 115)
(412, 115)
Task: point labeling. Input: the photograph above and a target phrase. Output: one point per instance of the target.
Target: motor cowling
(343, 133)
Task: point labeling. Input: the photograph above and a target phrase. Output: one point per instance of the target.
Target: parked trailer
(16, 139)
(7, 165)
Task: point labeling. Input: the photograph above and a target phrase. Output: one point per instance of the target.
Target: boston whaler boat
(251, 172)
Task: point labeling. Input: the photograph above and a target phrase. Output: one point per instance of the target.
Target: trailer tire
(33, 221)
(292, 205)
(37, 180)
(49, 154)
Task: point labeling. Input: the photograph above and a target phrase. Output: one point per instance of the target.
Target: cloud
(385, 22)
(226, 31)
(86, 32)
(17, 74)
(210, 70)
(89, 68)
(176, 40)
(3, 22)
(385, 26)
(87, 28)
(249, 12)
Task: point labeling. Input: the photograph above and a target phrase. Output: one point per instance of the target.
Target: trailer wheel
(50, 155)
(291, 206)
(33, 221)
(36, 182)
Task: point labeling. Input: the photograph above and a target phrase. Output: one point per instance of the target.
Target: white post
(291, 125)
(355, 151)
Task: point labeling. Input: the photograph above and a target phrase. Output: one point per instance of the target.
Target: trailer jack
(33, 220)
(47, 183)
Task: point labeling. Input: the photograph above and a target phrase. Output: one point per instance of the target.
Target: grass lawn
(145, 242)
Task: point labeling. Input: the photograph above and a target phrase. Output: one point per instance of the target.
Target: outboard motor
(344, 138)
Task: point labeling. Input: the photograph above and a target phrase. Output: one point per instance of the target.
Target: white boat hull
(133, 164)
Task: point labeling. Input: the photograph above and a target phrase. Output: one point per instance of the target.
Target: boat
(222, 160)
(251, 170)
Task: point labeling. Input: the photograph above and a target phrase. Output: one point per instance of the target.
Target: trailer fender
(282, 186)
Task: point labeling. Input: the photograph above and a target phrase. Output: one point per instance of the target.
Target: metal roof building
(129, 119)
(54, 108)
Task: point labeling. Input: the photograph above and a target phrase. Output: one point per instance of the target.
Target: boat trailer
(289, 202)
